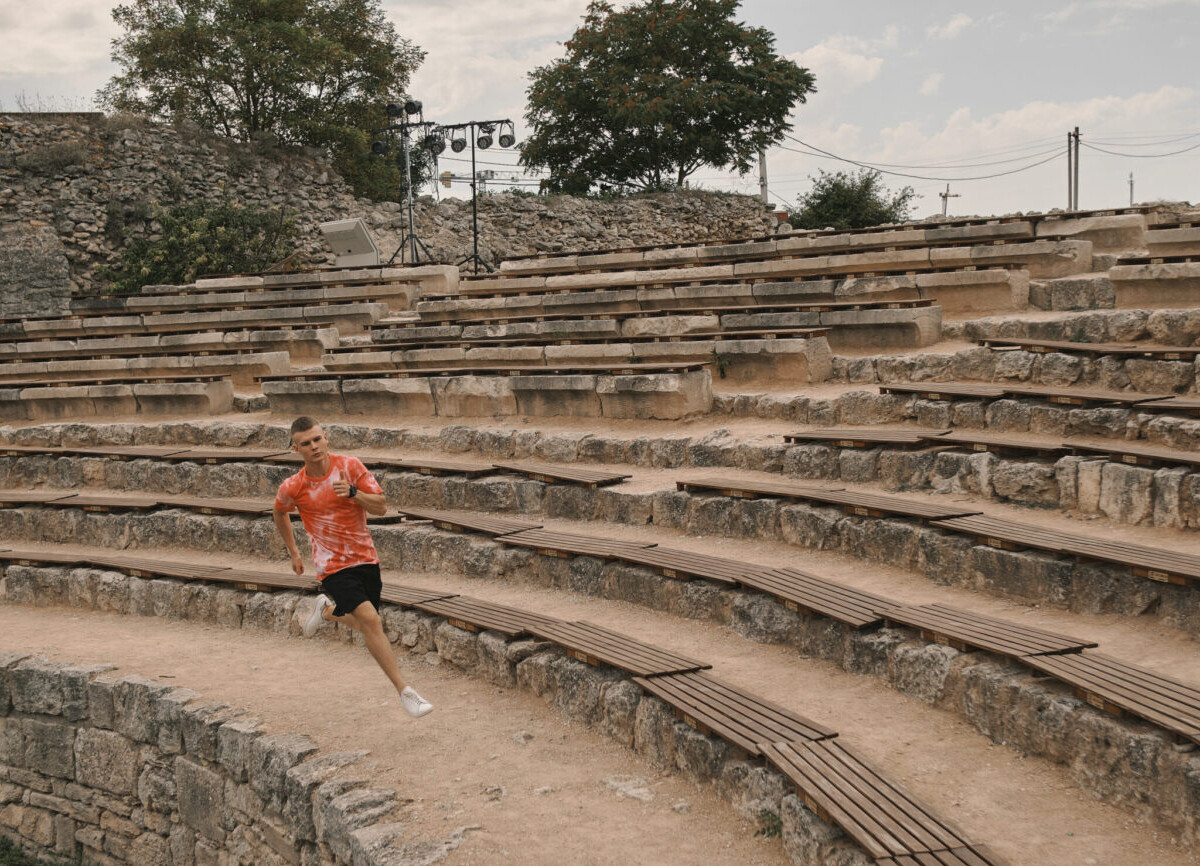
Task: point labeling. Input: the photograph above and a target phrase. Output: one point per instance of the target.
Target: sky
(930, 92)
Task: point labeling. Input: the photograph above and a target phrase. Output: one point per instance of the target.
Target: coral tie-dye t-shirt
(336, 526)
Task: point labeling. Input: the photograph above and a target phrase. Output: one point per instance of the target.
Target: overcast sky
(918, 86)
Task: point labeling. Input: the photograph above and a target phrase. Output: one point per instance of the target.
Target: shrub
(53, 158)
(204, 238)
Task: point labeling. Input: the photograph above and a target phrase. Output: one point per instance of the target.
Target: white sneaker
(415, 705)
(316, 619)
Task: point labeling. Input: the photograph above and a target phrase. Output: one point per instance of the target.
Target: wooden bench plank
(497, 370)
(971, 855)
(1121, 688)
(554, 543)
(473, 614)
(715, 707)
(944, 390)
(967, 630)
(684, 564)
(471, 521)
(1137, 350)
(595, 644)
(553, 473)
(998, 444)
(1150, 562)
(18, 556)
(1079, 396)
(1137, 455)
(800, 591)
(852, 502)
(1175, 405)
(410, 596)
(217, 506)
(865, 437)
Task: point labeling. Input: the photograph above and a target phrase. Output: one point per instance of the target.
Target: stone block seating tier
(1141, 282)
(90, 396)
(1110, 231)
(1175, 238)
(665, 391)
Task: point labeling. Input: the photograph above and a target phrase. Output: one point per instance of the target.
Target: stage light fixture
(412, 106)
(394, 109)
(485, 138)
(509, 138)
(435, 142)
(379, 148)
(459, 143)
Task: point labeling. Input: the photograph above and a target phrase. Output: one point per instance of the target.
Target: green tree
(204, 238)
(851, 201)
(648, 94)
(305, 72)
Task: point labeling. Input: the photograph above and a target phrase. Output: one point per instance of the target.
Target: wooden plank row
(595, 644)
(1154, 563)
(800, 591)
(553, 543)
(684, 564)
(865, 437)
(1064, 396)
(469, 521)
(1138, 350)
(497, 370)
(1138, 455)
(998, 444)
(715, 707)
(472, 614)
(876, 812)
(971, 855)
(553, 473)
(1121, 688)
(852, 502)
(966, 630)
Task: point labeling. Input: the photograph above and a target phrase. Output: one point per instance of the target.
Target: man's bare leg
(365, 620)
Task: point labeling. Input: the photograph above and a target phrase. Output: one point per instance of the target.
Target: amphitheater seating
(704, 702)
(1096, 350)
(1065, 396)
(1163, 282)
(965, 631)
(90, 396)
(1173, 238)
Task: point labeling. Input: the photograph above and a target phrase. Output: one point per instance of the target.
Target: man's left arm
(371, 502)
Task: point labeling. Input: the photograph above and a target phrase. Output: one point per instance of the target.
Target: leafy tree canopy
(308, 72)
(842, 200)
(648, 94)
(204, 238)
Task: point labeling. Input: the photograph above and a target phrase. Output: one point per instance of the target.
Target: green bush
(204, 238)
(11, 855)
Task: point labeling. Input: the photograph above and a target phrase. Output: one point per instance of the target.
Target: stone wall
(105, 770)
(210, 775)
(93, 180)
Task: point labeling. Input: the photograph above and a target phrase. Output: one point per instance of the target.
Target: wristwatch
(353, 492)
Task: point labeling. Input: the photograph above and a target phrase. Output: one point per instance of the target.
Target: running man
(334, 493)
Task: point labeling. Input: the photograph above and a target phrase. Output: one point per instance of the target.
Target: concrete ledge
(665, 396)
(300, 398)
(473, 396)
(1173, 242)
(557, 395)
(184, 398)
(1156, 286)
(63, 401)
(1043, 259)
(388, 396)
(1108, 234)
(974, 293)
(883, 329)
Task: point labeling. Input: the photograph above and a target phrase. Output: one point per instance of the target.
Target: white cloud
(932, 84)
(951, 28)
(80, 43)
(841, 62)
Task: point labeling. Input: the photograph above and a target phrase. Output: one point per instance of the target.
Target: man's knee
(368, 617)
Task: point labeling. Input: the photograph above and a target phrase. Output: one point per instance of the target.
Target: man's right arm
(283, 523)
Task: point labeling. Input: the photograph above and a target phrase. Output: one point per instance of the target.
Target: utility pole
(1070, 170)
(762, 177)
(1131, 189)
(946, 196)
(1076, 168)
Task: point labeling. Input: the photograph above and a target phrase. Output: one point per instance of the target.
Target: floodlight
(459, 143)
(379, 148)
(509, 138)
(412, 106)
(484, 141)
(351, 242)
(435, 143)
(394, 109)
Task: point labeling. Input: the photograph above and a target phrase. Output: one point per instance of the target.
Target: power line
(816, 151)
(1150, 143)
(1141, 155)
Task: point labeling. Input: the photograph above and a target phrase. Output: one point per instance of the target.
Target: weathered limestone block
(1085, 292)
(1028, 483)
(663, 396)
(1127, 493)
(808, 839)
(297, 398)
(1164, 285)
(388, 397)
(473, 396)
(556, 395)
(457, 646)
(106, 760)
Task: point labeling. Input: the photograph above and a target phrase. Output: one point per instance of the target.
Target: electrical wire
(1091, 146)
(1149, 143)
(816, 151)
(974, 164)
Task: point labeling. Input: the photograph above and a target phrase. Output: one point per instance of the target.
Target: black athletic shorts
(351, 586)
